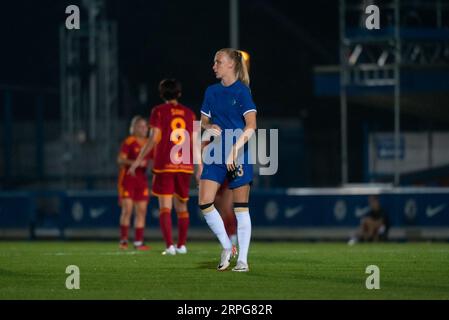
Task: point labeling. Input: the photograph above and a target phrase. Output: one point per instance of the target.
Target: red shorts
(134, 188)
(172, 184)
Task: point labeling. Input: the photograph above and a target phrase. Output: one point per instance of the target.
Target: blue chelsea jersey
(226, 106)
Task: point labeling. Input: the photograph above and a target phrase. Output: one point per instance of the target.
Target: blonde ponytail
(243, 73)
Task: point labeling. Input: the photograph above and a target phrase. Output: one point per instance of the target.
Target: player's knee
(184, 214)
(141, 212)
(164, 210)
(180, 206)
(127, 210)
(206, 208)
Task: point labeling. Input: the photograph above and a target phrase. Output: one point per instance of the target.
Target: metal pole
(106, 52)
(93, 10)
(439, 14)
(234, 23)
(343, 97)
(40, 136)
(7, 136)
(397, 94)
(63, 79)
(70, 76)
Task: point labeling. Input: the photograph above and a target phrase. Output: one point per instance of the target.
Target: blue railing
(279, 208)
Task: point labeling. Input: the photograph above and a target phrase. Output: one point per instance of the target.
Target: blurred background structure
(359, 111)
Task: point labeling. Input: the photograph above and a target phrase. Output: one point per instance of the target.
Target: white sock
(233, 238)
(243, 234)
(216, 224)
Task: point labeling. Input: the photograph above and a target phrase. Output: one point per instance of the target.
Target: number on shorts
(240, 170)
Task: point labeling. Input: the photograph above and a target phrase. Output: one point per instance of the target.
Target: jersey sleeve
(155, 118)
(193, 117)
(246, 101)
(206, 106)
(124, 150)
(150, 155)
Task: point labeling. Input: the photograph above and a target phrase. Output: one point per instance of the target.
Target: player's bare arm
(212, 129)
(155, 136)
(248, 131)
(122, 160)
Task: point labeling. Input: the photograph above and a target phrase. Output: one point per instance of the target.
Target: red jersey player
(224, 204)
(172, 126)
(133, 190)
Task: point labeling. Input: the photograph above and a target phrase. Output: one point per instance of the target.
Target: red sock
(124, 232)
(139, 235)
(183, 226)
(165, 224)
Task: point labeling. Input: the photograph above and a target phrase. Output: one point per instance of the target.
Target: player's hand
(231, 160)
(143, 164)
(132, 169)
(213, 130)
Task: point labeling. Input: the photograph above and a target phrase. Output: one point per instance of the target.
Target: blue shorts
(218, 173)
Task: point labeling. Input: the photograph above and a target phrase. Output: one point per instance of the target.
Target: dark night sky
(179, 38)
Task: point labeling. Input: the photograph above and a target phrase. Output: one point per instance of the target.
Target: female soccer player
(171, 125)
(133, 190)
(229, 105)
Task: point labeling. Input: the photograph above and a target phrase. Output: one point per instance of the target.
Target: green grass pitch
(287, 270)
